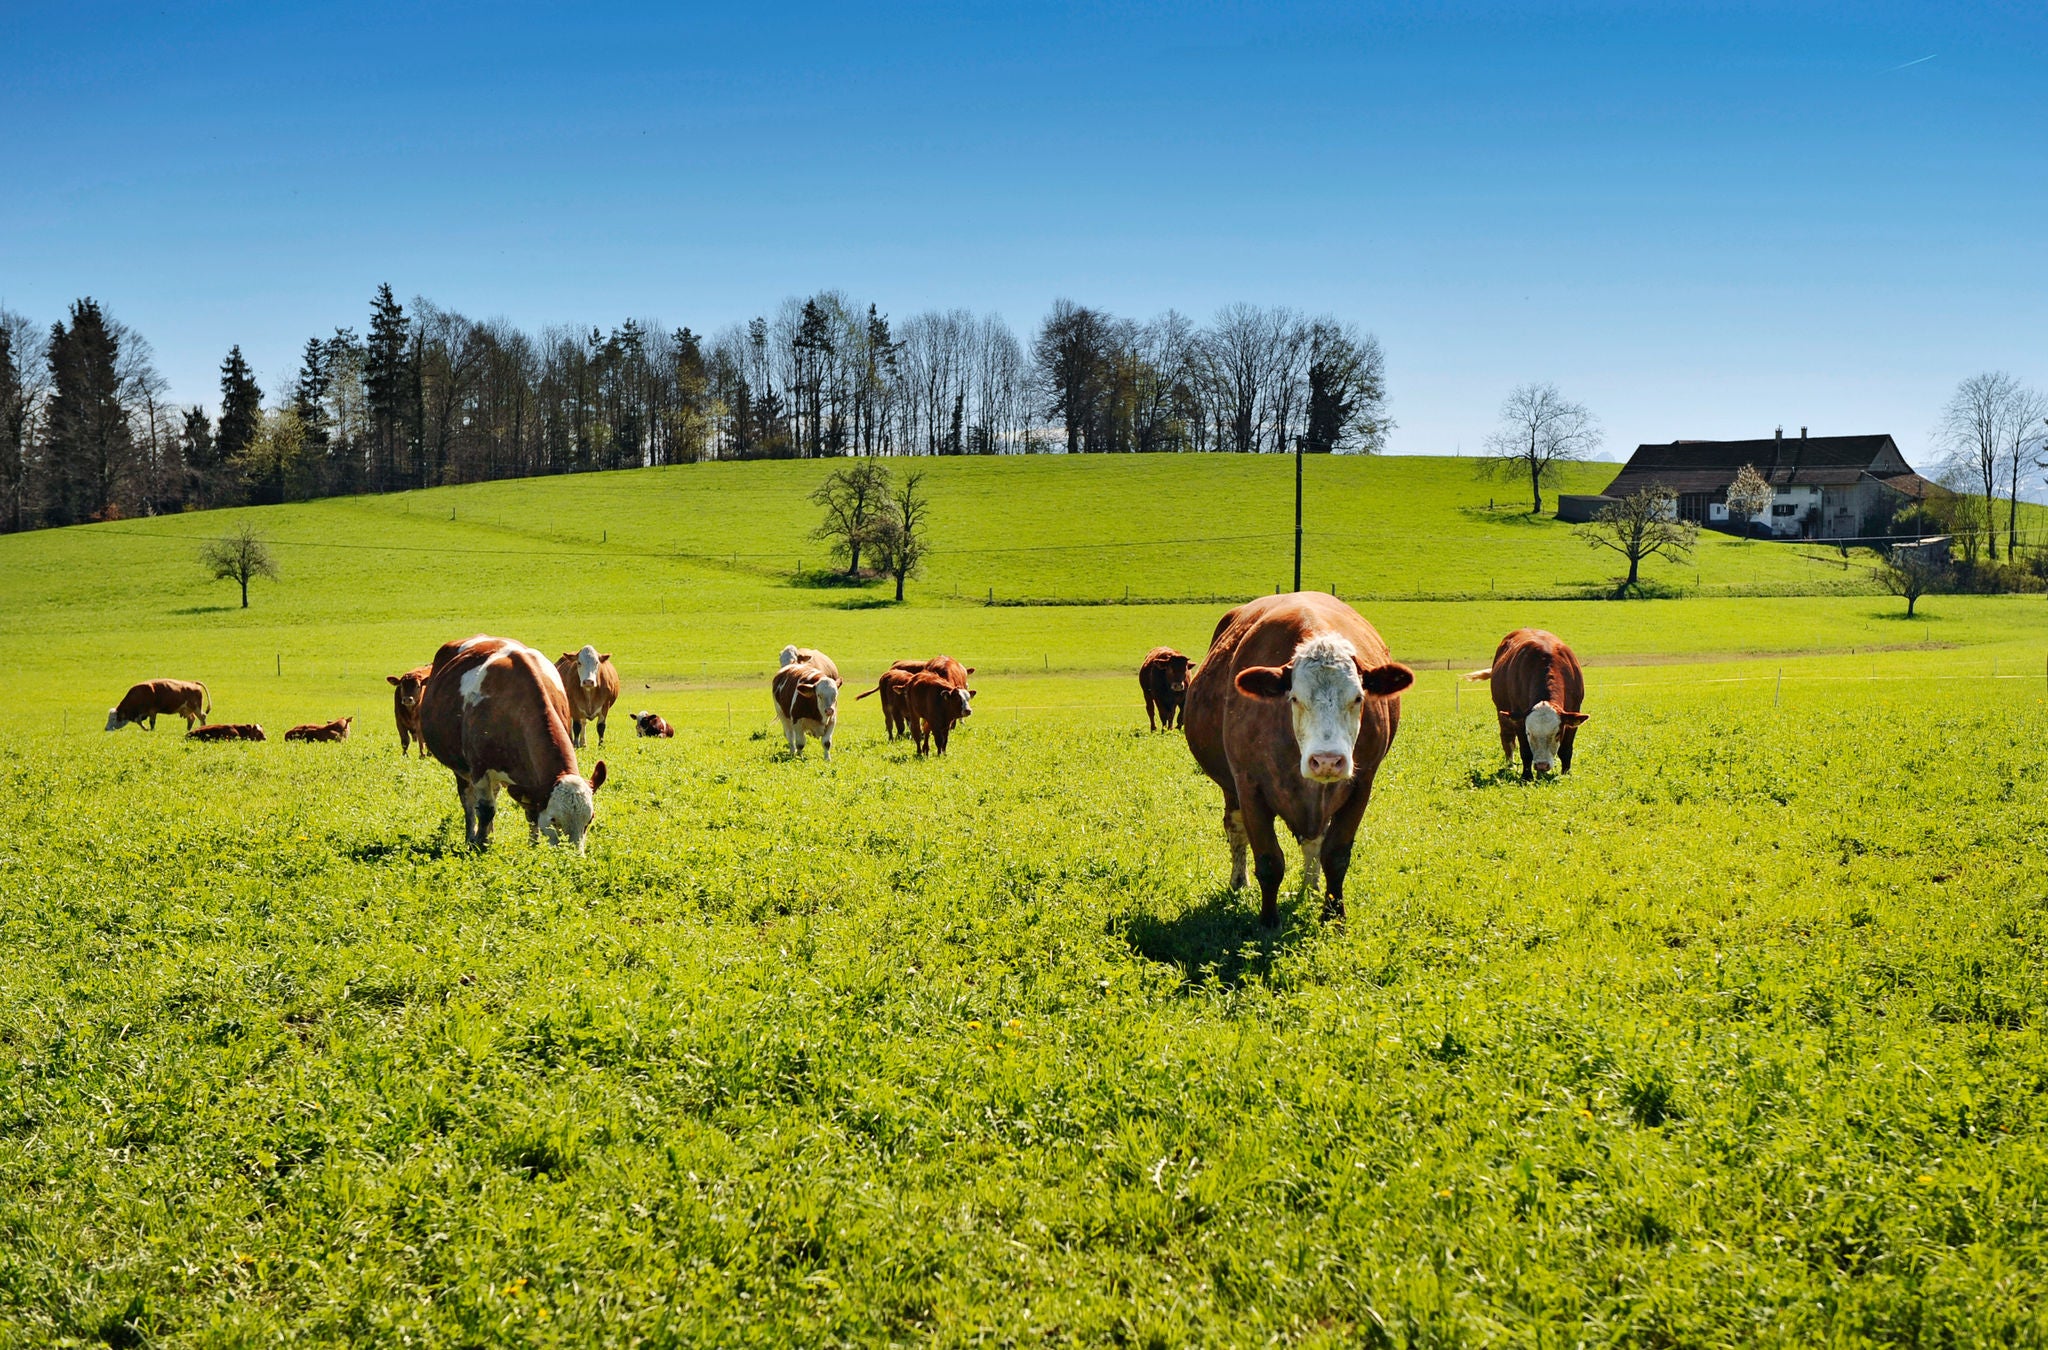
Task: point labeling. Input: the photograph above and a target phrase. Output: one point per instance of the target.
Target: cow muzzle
(1327, 767)
(1542, 766)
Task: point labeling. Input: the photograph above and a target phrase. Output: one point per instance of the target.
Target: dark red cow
(1163, 679)
(1537, 692)
(405, 706)
(1290, 714)
(894, 687)
(227, 731)
(936, 705)
(336, 730)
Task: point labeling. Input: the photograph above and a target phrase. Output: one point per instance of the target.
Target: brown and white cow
(807, 701)
(227, 731)
(405, 706)
(936, 705)
(592, 685)
(1291, 713)
(1163, 679)
(145, 702)
(496, 714)
(793, 655)
(652, 724)
(336, 730)
(894, 687)
(1537, 692)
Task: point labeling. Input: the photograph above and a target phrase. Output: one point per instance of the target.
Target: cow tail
(206, 700)
(876, 690)
(1485, 674)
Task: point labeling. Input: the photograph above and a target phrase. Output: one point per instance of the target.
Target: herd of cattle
(1290, 713)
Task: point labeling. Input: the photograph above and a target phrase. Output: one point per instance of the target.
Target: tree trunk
(245, 592)
(1535, 486)
(899, 586)
(1633, 561)
(1910, 601)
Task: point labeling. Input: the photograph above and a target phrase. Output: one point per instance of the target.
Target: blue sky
(1701, 220)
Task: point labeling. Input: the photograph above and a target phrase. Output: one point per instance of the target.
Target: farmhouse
(1827, 487)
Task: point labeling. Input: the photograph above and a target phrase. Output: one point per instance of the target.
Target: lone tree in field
(1642, 525)
(1909, 573)
(901, 542)
(241, 557)
(855, 499)
(1539, 429)
(1749, 496)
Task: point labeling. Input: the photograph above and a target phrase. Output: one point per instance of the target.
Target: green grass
(1731, 1038)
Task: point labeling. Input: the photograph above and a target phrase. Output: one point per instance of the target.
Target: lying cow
(652, 724)
(1537, 691)
(1290, 714)
(807, 701)
(336, 730)
(227, 731)
(592, 685)
(1163, 679)
(495, 713)
(935, 706)
(145, 702)
(894, 687)
(405, 707)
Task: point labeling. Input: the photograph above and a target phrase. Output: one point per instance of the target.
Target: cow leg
(1311, 865)
(1528, 759)
(602, 718)
(1269, 863)
(824, 739)
(1338, 837)
(1151, 719)
(1233, 834)
(940, 733)
(1564, 750)
(1507, 742)
(484, 796)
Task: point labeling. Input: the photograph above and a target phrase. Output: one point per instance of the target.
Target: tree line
(425, 396)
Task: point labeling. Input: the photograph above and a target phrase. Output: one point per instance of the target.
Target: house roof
(1808, 461)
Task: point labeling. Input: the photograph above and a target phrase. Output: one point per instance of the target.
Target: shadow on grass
(205, 609)
(1218, 942)
(1505, 776)
(831, 579)
(1505, 515)
(864, 602)
(410, 849)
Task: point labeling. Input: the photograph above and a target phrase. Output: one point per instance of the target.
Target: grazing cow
(145, 702)
(405, 706)
(592, 685)
(894, 687)
(1537, 690)
(1291, 713)
(807, 701)
(1163, 679)
(793, 655)
(227, 731)
(652, 724)
(321, 731)
(935, 707)
(495, 713)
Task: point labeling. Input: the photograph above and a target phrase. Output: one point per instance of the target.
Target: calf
(652, 724)
(320, 731)
(793, 655)
(145, 702)
(227, 731)
(592, 686)
(894, 687)
(1537, 690)
(1291, 712)
(935, 707)
(807, 702)
(1163, 679)
(496, 714)
(405, 706)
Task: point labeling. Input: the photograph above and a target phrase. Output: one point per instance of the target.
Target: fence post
(280, 665)
(1780, 689)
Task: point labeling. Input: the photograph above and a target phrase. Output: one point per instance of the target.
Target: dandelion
(974, 1025)
(1926, 1180)
(1444, 1194)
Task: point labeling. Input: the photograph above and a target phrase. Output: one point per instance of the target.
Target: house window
(1783, 509)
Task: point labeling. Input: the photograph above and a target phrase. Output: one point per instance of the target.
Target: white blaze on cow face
(828, 699)
(113, 719)
(1327, 700)
(570, 809)
(1541, 726)
(586, 666)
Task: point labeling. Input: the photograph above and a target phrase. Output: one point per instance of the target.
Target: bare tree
(241, 557)
(1909, 572)
(1749, 496)
(1976, 425)
(1641, 525)
(1540, 429)
(900, 539)
(2023, 429)
(856, 499)
(24, 381)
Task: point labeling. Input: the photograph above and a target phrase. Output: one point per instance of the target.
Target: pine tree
(89, 452)
(195, 445)
(241, 414)
(387, 387)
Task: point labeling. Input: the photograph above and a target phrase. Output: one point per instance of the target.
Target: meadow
(1733, 1037)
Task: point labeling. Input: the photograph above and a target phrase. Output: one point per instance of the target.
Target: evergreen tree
(88, 451)
(14, 448)
(195, 445)
(387, 388)
(241, 415)
(309, 396)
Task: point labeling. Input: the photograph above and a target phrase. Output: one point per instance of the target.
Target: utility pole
(1297, 513)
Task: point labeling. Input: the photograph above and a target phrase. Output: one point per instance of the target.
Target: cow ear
(604, 656)
(1572, 719)
(1508, 719)
(970, 670)
(565, 656)
(393, 679)
(1266, 681)
(597, 777)
(1384, 681)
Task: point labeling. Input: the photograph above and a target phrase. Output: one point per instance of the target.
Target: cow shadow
(1218, 942)
(408, 849)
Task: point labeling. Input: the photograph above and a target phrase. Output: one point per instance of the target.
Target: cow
(405, 706)
(955, 674)
(145, 702)
(894, 687)
(807, 701)
(935, 706)
(1537, 691)
(1163, 679)
(321, 731)
(227, 731)
(793, 655)
(495, 713)
(1290, 713)
(652, 724)
(592, 685)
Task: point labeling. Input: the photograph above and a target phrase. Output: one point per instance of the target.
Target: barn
(1826, 487)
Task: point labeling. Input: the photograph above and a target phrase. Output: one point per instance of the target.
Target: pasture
(1732, 1037)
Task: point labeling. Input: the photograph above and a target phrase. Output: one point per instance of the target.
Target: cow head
(114, 722)
(1544, 726)
(1177, 671)
(1326, 687)
(571, 807)
(409, 686)
(826, 690)
(788, 656)
(588, 659)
